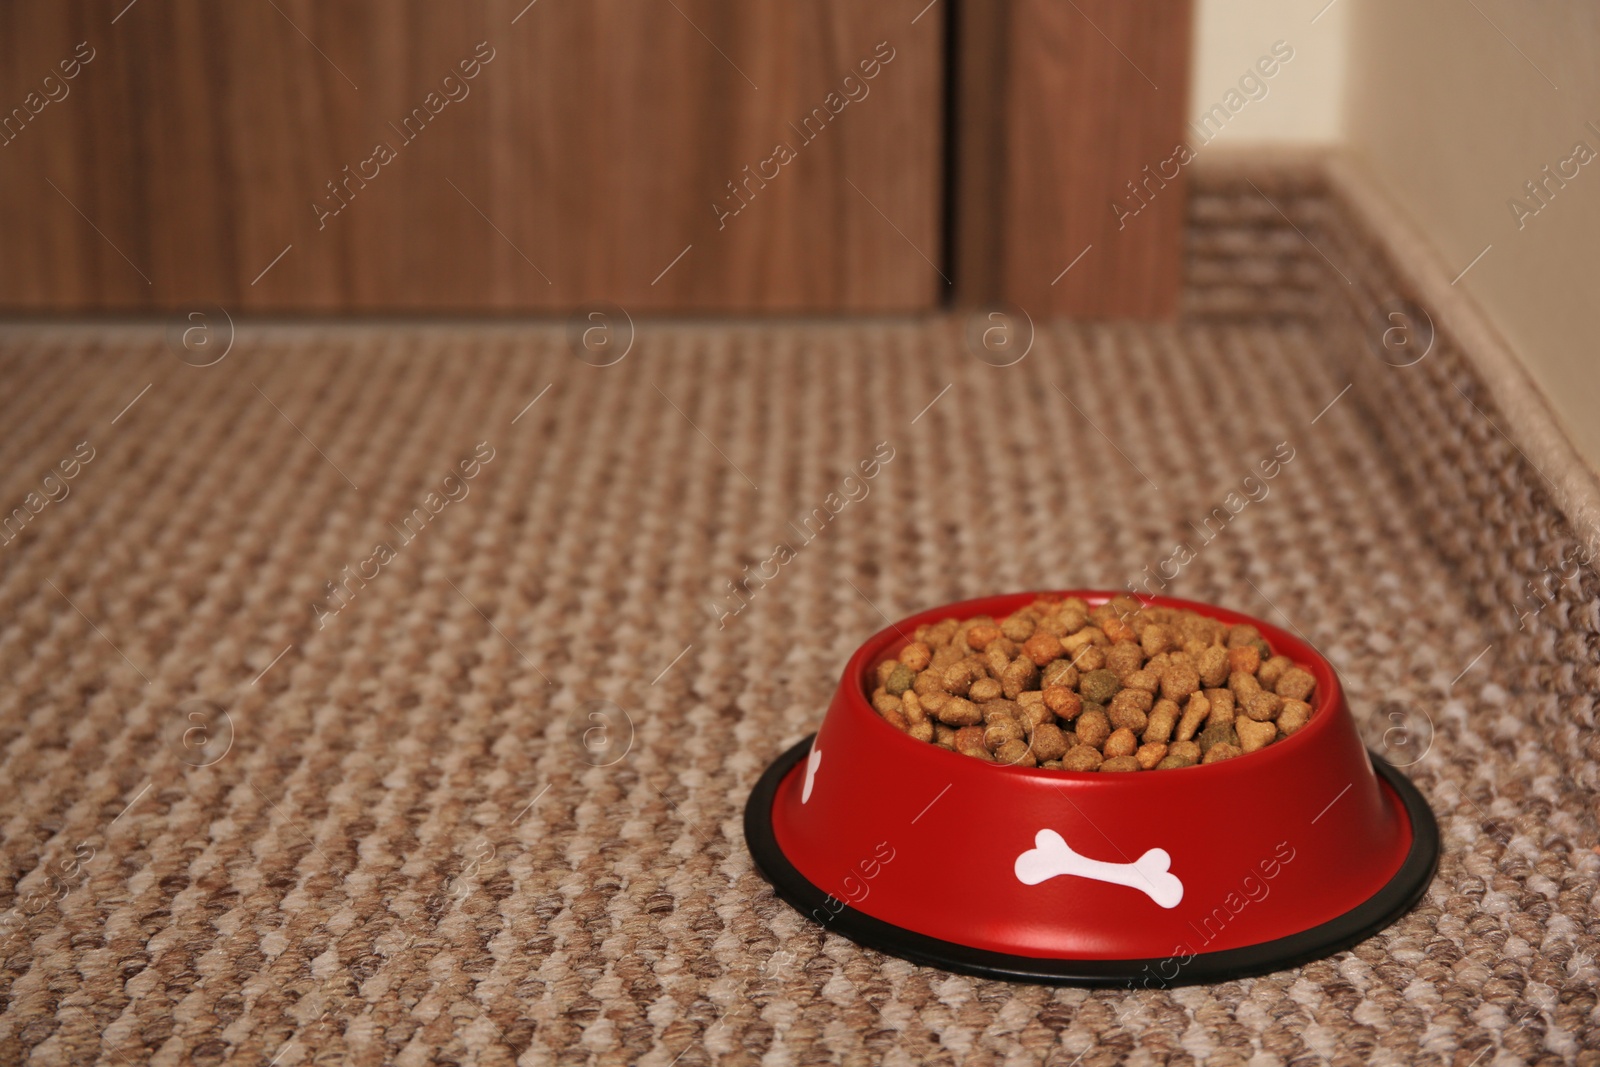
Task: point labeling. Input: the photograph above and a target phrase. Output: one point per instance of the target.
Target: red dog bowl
(1155, 878)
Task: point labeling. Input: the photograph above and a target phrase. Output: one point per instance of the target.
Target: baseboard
(1280, 269)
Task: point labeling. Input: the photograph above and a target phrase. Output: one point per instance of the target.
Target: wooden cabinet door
(371, 156)
(1069, 194)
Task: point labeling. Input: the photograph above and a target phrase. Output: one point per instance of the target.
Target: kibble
(1129, 710)
(1121, 743)
(1018, 626)
(958, 711)
(980, 634)
(1099, 686)
(1022, 675)
(1296, 684)
(953, 678)
(1180, 754)
(1254, 735)
(1212, 736)
(1213, 667)
(1082, 758)
(1179, 680)
(985, 689)
(911, 705)
(1295, 714)
(900, 679)
(1093, 727)
(1263, 707)
(1119, 687)
(1048, 742)
(1117, 631)
(1016, 754)
(1061, 672)
(1163, 719)
(1004, 729)
(1090, 658)
(1273, 670)
(916, 655)
(969, 742)
(1032, 713)
(1124, 659)
(1043, 649)
(1149, 755)
(1146, 680)
(1195, 715)
(1243, 634)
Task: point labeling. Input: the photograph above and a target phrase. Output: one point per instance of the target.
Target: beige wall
(1453, 115)
(1301, 102)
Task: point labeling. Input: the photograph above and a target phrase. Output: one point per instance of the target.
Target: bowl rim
(1330, 693)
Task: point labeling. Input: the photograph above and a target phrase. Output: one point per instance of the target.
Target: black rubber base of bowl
(1356, 925)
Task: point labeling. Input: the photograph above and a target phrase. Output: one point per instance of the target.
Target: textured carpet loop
(484, 805)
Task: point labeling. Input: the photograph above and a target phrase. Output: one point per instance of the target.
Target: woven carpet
(274, 795)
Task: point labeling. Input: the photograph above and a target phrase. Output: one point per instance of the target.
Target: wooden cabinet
(1068, 199)
(665, 155)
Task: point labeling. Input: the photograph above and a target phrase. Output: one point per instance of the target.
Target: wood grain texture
(978, 143)
(1064, 106)
(594, 145)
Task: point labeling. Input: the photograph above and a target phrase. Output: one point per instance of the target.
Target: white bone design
(1051, 855)
(812, 762)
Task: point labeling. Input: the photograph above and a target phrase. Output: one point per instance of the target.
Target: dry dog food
(1117, 687)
